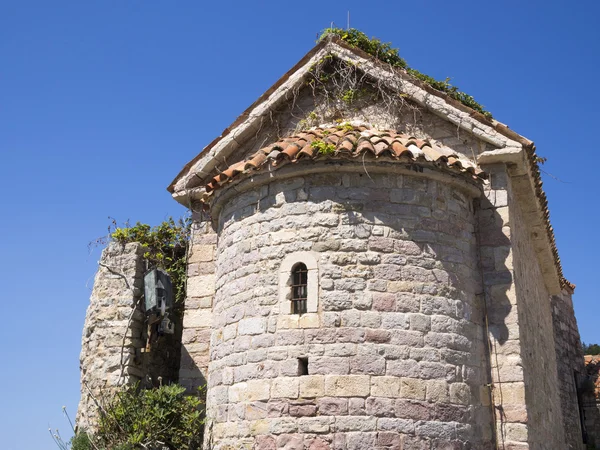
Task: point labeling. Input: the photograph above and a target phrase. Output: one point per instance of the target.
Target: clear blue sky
(103, 101)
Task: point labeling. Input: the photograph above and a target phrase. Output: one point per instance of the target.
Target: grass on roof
(384, 52)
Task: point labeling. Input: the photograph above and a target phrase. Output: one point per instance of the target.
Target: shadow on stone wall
(501, 339)
(427, 249)
(161, 363)
(590, 400)
(194, 378)
(475, 284)
(195, 381)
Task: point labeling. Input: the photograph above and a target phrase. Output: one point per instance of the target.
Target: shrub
(148, 418)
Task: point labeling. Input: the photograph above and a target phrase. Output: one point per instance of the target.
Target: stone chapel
(372, 266)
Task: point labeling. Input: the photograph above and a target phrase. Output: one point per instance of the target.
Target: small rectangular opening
(302, 366)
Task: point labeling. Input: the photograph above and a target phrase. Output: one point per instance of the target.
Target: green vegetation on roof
(385, 53)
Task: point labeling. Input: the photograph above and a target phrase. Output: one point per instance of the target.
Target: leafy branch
(165, 247)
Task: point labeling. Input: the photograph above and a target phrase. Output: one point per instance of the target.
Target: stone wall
(395, 354)
(529, 397)
(198, 305)
(118, 347)
(496, 262)
(113, 334)
(591, 400)
(536, 334)
(569, 358)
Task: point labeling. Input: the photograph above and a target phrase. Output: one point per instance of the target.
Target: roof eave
(437, 102)
(332, 40)
(247, 112)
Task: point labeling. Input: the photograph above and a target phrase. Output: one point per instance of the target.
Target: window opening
(299, 288)
(302, 366)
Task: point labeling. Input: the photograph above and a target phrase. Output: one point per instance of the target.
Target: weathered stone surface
(384, 318)
(387, 312)
(115, 334)
(394, 353)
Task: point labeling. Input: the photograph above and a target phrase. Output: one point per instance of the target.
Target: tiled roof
(348, 142)
(498, 127)
(543, 201)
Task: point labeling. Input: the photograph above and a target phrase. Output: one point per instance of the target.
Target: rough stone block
(356, 406)
(330, 366)
(377, 336)
(314, 424)
(437, 391)
(312, 386)
(347, 385)
(302, 409)
(414, 410)
(201, 253)
(368, 364)
(252, 326)
(355, 423)
(403, 368)
(309, 321)
(201, 286)
(385, 386)
(199, 318)
(413, 388)
(257, 390)
(283, 425)
(237, 392)
(380, 407)
(381, 244)
(331, 406)
(460, 393)
(360, 440)
(420, 322)
(403, 426)
(284, 387)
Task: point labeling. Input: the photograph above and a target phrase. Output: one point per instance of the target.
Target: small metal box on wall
(158, 292)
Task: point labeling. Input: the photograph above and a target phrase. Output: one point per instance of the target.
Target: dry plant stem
(116, 272)
(91, 394)
(338, 87)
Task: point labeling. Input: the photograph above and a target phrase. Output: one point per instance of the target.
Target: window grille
(299, 288)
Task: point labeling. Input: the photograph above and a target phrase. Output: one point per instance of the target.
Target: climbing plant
(165, 247)
(384, 52)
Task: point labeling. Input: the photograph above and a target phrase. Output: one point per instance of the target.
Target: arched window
(299, 288)
(299, 283)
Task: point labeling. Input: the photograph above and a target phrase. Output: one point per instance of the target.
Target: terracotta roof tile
(543, 200)
(346, 142)
(397, 151)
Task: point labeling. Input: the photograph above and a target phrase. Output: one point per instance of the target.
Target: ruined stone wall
(536, 334)
(569, 359)
(118, 347)
(395, 352)
(113, 334)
